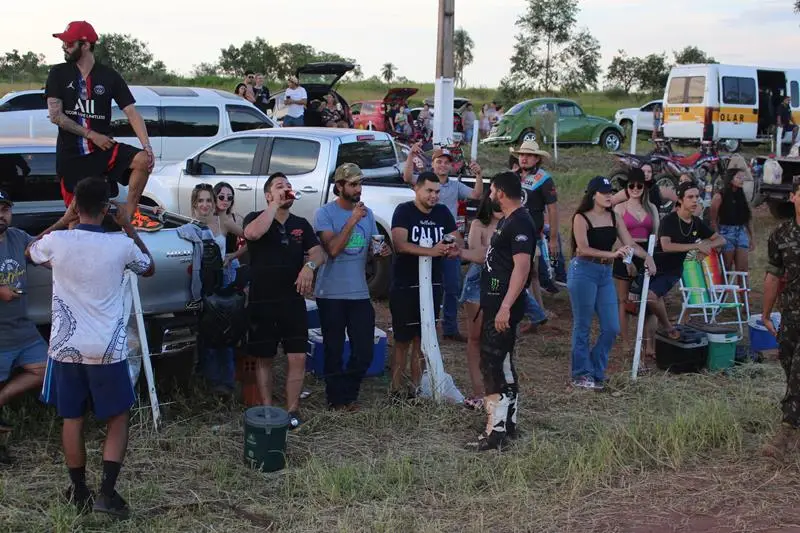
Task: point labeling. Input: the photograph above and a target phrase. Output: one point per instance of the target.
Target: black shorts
(281, 321)
(404, 306)
(115, 164)
(662, 283)
(621, 269)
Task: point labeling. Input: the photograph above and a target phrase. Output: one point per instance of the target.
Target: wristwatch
(312, 265)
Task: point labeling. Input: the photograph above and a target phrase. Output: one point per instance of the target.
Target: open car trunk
(318, 79)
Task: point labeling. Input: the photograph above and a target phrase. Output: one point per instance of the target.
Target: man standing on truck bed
(21, 345)
(450, 192)
(783, 262)
(79, 94)
(784, 118)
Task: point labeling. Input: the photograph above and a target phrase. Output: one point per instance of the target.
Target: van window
(293, 156)
(740, 91)
(30, 177)
(233, 157)
(795, 91)
(120, 127)
(243, 118)
(184, 121)
(686, 90)
(367, 154)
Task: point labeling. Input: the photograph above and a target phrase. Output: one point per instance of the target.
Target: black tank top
(734, 210)
(602, 238)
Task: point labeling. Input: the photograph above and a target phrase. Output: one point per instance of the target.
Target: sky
(183, 33)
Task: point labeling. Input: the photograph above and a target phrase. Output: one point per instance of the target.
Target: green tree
(29, 65)
(387, 72)
(462, 53)
(257, 55)
(580, 63)
(129, 56)
(797, 6)
(653, 73)
(624, 71)
(692, 55)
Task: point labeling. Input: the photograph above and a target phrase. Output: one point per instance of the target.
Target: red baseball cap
(78, 30)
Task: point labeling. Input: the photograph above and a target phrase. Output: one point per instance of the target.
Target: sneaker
(492, 441)
(294, 420)
(599, 386)
(144, 223)
(583, 382)
(5, 427)
(455, 337)
(82, 499)
(114, 506)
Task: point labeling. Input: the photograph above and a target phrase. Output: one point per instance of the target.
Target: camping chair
(697, 295)
(719, 279)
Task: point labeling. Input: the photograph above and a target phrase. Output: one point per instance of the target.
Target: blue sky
(183, 33)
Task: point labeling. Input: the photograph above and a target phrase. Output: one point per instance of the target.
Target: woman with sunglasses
(640, 217)
(216, 364)
(235, 245)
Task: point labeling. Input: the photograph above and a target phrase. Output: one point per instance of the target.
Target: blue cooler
(313, 314)
(315, 360)
(760, 338)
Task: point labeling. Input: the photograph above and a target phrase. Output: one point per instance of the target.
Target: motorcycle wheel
(669, 181)
(618, 177)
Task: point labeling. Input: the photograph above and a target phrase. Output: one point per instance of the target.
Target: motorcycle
(626, 161)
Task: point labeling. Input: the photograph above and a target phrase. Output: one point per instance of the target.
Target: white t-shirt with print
(88, 324)
(296, 110)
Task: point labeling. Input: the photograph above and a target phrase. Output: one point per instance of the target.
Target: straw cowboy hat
(532, 148)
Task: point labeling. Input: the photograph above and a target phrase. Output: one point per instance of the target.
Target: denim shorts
(736, 237)
(32, 354)
(471, 292)
(293, 121)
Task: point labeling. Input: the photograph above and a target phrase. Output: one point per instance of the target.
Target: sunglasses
(203, 187)
(223, 198)
(636, 185)
(284, 236)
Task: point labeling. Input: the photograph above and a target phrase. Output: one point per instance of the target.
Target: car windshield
(517, 108)
(368, 154)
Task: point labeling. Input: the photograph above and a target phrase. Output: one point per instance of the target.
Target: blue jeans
(293, 121)
(591, 291)
(533, 310)
(451, 274)
(217, 366)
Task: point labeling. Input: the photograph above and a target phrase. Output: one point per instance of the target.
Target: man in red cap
(79, 94)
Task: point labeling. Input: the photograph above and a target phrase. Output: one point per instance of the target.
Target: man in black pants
(79, 94)
(506, 273)
(278, 242)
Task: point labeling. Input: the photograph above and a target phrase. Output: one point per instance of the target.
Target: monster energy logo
(494, 284)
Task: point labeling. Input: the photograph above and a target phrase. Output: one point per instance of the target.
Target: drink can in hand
(448, 239)
(628, 256)
(377, 243)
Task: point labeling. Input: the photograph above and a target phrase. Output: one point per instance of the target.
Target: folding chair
(697, 295)
(719, 276)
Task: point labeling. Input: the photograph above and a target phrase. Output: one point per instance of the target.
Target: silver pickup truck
(308, 157)
(27, 173)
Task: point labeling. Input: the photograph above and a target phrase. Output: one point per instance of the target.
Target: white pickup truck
(308, 157)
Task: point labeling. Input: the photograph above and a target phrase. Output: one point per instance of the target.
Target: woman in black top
(731, 217)
(595, 230)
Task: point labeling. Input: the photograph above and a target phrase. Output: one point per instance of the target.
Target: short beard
(3, 228)
(355, 198)
(74, 56)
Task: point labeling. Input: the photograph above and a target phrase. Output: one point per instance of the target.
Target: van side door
(738, 103)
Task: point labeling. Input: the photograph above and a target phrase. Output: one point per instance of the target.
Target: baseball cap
(4, 198)
(599, 184)
(78, 30)
(348, 172)
(441, 152)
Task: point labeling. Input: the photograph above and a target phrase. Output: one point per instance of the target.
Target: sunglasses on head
(204, 187)
(636, 185)
(224, 198)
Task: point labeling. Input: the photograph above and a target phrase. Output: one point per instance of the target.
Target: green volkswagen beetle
(535, 120)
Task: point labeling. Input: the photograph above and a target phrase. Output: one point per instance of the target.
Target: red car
(374, 111)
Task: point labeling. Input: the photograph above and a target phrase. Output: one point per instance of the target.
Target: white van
(734, 103)
(179, 120)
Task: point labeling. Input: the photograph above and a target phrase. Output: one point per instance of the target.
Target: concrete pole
(444, 91)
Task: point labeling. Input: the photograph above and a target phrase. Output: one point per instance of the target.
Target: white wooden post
(637, 352)
(133, 281)
(555, 141)
(476, 131)
(634, 133)
(429, 341)
(779, 142)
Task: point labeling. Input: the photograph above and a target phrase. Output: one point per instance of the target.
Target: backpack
(223, 320)
(211, 267)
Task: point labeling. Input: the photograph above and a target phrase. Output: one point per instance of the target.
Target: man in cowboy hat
(296, 100)
(450, 193)
(539, 196)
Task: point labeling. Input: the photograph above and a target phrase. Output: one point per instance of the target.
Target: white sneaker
(583, 382)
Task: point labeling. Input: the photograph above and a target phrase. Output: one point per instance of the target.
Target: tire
(666, 180)
(528, 135)
(731, 145)
(379, 273)
(611, 140)
(617, 176)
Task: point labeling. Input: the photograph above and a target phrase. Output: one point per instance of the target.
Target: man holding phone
(21, 345)
(296, 99)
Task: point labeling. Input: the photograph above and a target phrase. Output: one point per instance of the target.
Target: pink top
(639, 231)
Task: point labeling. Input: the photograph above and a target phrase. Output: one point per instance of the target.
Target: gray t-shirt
(343, 277)
(16, 329)
(451, 192)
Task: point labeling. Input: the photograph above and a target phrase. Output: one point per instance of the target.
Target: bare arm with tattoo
(55, 109)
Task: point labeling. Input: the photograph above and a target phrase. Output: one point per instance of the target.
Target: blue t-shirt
(16, 329)
(343, 277)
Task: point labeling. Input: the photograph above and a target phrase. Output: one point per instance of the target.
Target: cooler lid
(265, 416)
(690, 337)
(716, 329)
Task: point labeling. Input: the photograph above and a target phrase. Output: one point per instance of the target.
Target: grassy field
(666, 453)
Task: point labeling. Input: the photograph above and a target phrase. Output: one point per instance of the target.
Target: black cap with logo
(5, 199)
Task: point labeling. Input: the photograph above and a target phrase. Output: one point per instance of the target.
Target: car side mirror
(190, 167)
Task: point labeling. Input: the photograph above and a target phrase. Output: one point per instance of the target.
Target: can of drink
(293, 195)
(448, 239)
(377, 243)
(628, 257)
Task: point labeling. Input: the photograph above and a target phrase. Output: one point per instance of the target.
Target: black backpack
(211, 267)
(223, 320)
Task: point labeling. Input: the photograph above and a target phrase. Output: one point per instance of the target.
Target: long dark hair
(484, 213)
(739, 193)
(217, 189)
(587, 204)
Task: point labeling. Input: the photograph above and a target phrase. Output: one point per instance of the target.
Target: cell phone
(18, 291)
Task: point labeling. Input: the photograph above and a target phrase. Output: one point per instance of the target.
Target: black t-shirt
(434, 225)
(784, 114)
(680, 233)
(514, 235)
(262, 98)
(538, 194)
(277, 258)
(87, 102)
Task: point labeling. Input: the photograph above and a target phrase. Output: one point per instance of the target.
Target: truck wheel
(379, 273)
(780, 210)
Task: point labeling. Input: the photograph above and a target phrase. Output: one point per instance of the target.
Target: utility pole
(444, 91)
